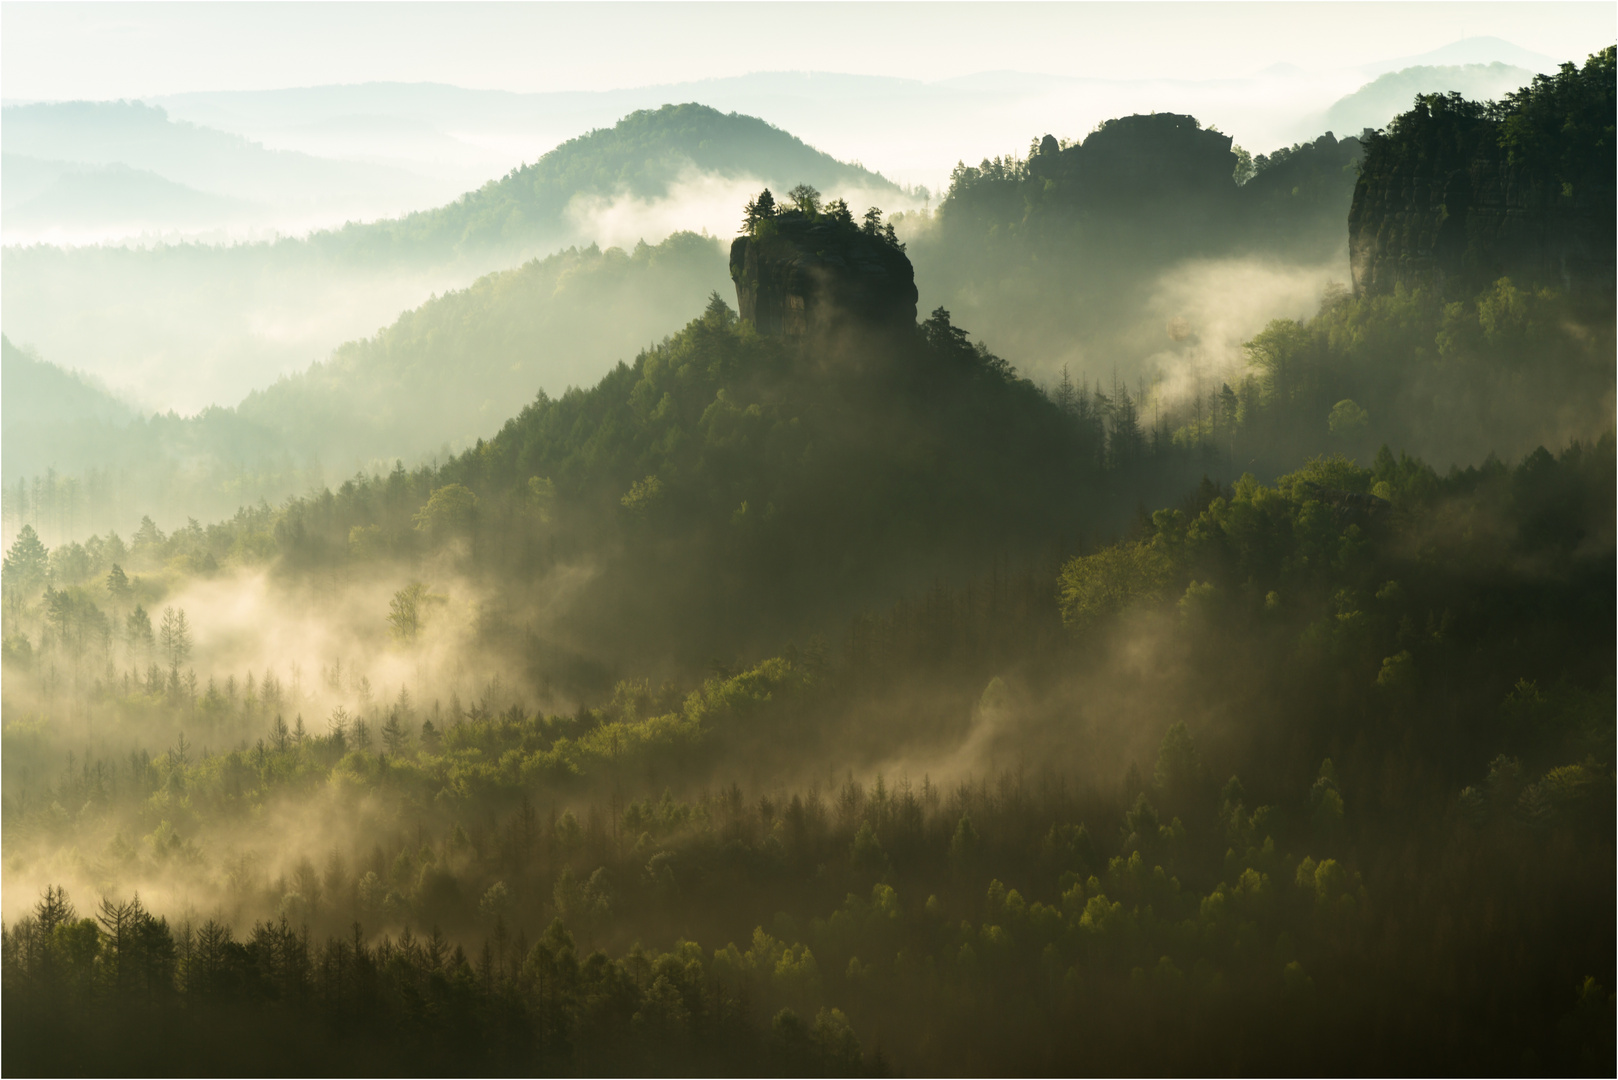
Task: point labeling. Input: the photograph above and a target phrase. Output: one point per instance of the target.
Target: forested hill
(429, 384)
(458, 366)
(1090, 248)
(243, 314)
(46, 408)
(38, 391)
(1457, 194)
(728, 488)
(1066, 254)
(645, 156)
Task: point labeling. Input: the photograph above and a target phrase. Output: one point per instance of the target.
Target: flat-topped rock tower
(803, 271)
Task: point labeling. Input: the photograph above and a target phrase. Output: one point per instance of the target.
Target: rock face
(1441, 205)
(799, 277)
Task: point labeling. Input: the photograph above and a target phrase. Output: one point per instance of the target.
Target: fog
(1028, 617)
(329, 652)
(696, 202)
(198, 326)
(1205, 310)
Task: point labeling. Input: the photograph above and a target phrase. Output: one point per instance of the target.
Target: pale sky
(55, 51)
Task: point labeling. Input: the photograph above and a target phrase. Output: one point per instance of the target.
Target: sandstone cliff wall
(1440, 205)
(797, 279)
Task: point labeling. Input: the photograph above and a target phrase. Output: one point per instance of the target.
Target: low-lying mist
(696, 202)
(1205, 311)
(396, 660)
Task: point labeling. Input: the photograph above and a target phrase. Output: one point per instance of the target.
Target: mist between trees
(398, 711)
(855, 704)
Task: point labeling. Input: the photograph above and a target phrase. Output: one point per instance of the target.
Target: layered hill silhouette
(645, 157)
(451, 371)
(138, 155)
(1061, 257)
(434, 381)
(729, 484)
(1063, 247)
(243, 314)
(1457, 194)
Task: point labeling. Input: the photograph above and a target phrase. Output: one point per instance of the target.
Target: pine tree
(25, 567)
(175, 635)
(138, 632)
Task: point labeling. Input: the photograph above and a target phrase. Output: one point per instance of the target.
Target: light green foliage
(174, 637)
(1347, 419)
(1283, 354)
(642, 495)
(1398, 672)
(25, 565)
(407, 611)
(1096, 586)
(365, 541)
(1197, 602)
(448, 512)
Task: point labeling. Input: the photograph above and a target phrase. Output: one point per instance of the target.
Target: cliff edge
(802, 271)
(1457, 194)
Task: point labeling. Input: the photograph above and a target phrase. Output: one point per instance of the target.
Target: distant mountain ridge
(1471, 50)
(245, 314)
(643, 156)
(44, 393)
(68, 199)
(1376, 103)
(145, 139)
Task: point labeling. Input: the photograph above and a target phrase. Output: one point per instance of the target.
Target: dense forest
(848, 701)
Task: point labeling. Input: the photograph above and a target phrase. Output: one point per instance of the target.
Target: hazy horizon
(1262, 72)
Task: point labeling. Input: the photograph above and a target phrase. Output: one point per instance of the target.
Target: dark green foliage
(723, 465)
(804, 274)
(111, 993)
(1456, 194)
(1313, 765)
(1501, 372)
(1063, 252)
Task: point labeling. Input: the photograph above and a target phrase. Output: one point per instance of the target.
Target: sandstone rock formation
(1443, 204)
(799, 276)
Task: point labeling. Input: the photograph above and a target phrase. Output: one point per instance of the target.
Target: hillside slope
(1136, 252)
(432, 382)
(645, 157)
(453, 369)
(245, 314)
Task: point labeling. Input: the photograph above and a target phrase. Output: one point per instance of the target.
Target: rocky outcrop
(1455, 196)
(1455, 230)
(799, 276)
